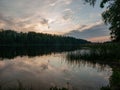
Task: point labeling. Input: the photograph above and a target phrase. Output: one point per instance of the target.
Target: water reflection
(10, 52)
(53, 69)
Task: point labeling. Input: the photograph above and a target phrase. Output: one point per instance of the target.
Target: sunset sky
(64, 17)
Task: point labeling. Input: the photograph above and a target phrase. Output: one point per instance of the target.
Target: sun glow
(41, 28)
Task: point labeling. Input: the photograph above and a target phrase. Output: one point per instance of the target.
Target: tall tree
(110, 16)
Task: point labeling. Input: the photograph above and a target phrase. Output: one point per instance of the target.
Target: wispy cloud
(60, 2)
(89, 26)
(67, 14)
(90, 32)
(22, 24)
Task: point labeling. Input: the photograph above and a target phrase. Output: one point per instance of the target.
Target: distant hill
(10, 37)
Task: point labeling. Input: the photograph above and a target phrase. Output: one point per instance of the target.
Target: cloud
(67, 14)
(24, 24)
(44, 21)
(6, 20)
(89, 31)
(36, 15)
(51, 16)
(59, 2)
(86, 27)
(52, 2)
(68, 1)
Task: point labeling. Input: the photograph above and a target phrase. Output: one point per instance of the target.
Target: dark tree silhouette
(110, 16)
(12, 38)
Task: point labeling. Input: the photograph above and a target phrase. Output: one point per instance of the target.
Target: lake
(42, 71)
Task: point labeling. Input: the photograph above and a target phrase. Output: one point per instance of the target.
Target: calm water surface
(42, 72)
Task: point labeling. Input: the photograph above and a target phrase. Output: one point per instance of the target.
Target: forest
(11, 38)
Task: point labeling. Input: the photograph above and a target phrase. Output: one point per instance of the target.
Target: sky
(63, 17)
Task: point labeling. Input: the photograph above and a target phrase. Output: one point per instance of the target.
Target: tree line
(10, 37)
